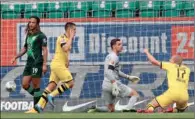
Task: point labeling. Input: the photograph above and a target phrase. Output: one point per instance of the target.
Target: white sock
(132, 102)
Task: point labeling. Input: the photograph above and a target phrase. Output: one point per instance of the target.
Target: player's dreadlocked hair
(37, 27)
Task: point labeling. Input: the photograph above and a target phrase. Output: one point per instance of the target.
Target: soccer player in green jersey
(36, 48)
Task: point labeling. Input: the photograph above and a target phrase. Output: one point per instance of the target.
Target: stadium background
(166, 28)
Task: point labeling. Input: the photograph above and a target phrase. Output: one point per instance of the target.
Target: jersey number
(35, 70)
(180, 73)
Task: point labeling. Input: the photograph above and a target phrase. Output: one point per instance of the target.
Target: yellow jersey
(178, 76)
(60, 56)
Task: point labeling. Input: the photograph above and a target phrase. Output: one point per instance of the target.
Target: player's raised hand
(133, 79)
(13, 60)
(72, 34)
(115, 89)
(146, 50)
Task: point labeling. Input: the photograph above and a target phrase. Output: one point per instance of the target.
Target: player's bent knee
(25, 86)
(154, 103)
(181, 110)
(70, 83)
(36, 85)
(36, 82)
(134, 93)
(111, 107)
(26, 82)
(51, 86)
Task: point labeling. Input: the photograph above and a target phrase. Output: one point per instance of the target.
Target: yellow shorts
(169, 97)
(59, 73)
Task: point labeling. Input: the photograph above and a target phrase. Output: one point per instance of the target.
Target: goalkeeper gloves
(133, 79)
(115, 89)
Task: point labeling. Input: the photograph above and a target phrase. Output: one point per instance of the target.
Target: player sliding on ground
(112, 87)
(59, 69)
(178, 78)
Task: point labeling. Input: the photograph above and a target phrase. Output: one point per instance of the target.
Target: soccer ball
(10, 86)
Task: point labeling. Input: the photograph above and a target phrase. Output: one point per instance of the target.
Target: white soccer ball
(10, 86)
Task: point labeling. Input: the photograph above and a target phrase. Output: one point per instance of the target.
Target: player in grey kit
(112, 87)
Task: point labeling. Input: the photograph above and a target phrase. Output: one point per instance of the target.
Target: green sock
(37, 95)
(30, 90)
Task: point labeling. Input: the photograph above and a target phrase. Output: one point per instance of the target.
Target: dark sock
(37, 95)
(30, 90)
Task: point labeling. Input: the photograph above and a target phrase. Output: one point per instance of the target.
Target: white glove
(115, 89)
(133, 79)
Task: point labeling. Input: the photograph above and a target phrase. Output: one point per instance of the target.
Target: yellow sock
(43, 100)
(150, 107)
(63, 87)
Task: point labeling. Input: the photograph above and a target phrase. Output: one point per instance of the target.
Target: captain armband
(62, 44)
(111, 67)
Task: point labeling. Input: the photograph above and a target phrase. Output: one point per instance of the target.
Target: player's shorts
(32, 69)
(169, 97)
(59, 73)
(125, 91)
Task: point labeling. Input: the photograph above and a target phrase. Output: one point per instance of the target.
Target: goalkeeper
(112, 87)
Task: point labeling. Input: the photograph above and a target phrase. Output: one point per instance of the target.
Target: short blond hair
(177, 59)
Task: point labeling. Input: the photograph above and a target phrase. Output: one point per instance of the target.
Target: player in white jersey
(112, 87)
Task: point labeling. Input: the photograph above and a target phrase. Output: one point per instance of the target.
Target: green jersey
(34, 44)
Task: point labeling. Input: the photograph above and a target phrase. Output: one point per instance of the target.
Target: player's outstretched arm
(151, 58)
(133, 79)
(21, 53)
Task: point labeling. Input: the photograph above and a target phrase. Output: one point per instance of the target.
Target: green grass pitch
(97, 115)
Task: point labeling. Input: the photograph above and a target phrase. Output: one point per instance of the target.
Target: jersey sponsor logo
(67, 108)
(16, 105)
(122, 107)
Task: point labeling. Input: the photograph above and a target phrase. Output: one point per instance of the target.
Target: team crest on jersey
(111, 62)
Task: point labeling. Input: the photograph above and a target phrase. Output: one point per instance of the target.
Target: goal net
(164, 27)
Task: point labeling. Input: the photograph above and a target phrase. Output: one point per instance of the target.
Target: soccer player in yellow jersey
(59, 69)
(178, 78)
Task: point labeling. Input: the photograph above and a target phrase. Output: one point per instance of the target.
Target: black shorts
(34, 70)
